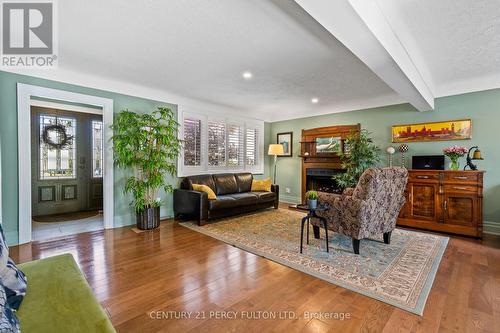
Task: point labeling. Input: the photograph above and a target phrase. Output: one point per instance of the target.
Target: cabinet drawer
(423, 176)
(460, 177)
(460, 188)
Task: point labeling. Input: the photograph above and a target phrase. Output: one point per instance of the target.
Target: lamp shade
(275, 149)
(477, 155)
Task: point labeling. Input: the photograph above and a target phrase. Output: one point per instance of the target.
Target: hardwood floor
(140, 277)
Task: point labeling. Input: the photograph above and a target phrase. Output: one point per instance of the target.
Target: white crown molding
(340, 108)
(194, 105)
(469, 85)
(125, 88)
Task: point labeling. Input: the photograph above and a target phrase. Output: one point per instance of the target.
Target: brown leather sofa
(234, 196)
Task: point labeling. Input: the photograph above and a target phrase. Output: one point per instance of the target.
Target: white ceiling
(199, 49)
(454, 43)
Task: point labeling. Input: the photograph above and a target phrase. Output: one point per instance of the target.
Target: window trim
(245, 123)
(25, 92)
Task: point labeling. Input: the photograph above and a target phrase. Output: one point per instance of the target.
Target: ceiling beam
(362, 27)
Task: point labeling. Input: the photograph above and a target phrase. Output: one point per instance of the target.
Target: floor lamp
(275, 150)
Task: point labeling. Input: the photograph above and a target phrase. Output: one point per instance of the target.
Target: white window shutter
(235, 145)
(216, 143)
(192, 141)
(251, 142)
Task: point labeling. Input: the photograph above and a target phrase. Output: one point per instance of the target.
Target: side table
(311, 212)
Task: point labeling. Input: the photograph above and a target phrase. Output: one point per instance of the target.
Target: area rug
(400, 274)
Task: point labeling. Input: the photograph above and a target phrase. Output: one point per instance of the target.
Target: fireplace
(318, 167)
(320, 179)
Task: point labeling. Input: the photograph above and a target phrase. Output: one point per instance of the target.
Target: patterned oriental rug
(400, 274)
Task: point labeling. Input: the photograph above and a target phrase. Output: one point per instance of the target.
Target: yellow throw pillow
(206, 189)
(262, 185)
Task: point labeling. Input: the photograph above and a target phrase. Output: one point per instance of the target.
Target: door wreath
(62, 137)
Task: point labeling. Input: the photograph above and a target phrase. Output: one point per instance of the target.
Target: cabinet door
(424, 202)
(460, 208)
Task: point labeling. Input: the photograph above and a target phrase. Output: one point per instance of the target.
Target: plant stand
(148, 219)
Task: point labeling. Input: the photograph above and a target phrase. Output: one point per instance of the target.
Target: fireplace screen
(321, 180)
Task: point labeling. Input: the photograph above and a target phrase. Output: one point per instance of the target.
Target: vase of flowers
(454, 153)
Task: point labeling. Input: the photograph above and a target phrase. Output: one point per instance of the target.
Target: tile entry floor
(48, 230)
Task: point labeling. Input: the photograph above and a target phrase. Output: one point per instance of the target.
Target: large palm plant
(148, 144)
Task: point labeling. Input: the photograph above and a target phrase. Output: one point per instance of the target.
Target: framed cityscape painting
(435, 131)
(285, 139)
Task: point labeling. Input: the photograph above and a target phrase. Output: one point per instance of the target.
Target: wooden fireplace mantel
(310, 159)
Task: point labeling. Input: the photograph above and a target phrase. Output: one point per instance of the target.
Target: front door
(66, 151)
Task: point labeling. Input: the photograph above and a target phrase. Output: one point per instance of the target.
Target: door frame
(24, 94)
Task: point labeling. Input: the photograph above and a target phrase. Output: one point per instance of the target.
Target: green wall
(8, 138)
(482, 107)
(268, 161)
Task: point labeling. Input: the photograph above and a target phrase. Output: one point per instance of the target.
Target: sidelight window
(97, 149)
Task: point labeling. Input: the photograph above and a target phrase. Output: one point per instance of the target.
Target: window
(57, 146)
(97, 137)
(192, 141)
(215, 144)
(251, 136)
(234, 145)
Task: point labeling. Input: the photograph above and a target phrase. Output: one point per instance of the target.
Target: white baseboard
(289, 199)
(492, 228)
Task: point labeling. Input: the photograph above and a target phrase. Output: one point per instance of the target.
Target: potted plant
(454, 153)
(147, 144)
(363, 154)
(312, 199)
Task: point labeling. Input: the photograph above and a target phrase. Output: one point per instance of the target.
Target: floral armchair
(368, 210)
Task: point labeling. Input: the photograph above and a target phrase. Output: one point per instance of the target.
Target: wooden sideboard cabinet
(444, 200)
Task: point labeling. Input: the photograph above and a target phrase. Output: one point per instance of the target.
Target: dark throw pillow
(12, 278)
(8, 320)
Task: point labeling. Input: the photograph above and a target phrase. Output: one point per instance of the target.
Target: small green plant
(362, 154)
(148, 144)
(312, 195)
